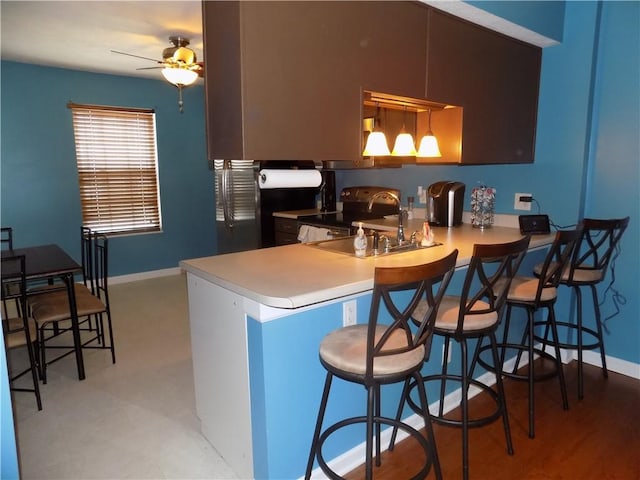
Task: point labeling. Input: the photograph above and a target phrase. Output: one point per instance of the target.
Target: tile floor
(132, 420)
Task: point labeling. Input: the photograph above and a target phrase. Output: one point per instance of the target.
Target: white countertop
(294, 276)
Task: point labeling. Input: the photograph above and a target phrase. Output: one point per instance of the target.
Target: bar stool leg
(532, 427)
(551, 320)
(464, 408)
(596, 309)
(501, 394)
(579, 342)
(316, 433)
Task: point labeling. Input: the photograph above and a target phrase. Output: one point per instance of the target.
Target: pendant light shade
(179, 76)
(376, 145)
(429, 144)
(404, 146)
(376, 141)
(429, 147)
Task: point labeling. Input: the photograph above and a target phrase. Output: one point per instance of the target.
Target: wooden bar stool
(379, 354)
(600, 239)
(533, 294)
(475, 314)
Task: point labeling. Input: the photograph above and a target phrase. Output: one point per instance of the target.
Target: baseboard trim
(623, 367)
(134, 277)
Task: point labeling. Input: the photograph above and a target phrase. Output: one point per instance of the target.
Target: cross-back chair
(386, 350)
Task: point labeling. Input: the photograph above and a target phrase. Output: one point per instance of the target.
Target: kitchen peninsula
(257, 319)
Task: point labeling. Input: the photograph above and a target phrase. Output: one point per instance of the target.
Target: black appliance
(328, 191)
(244, 212)
(355, 203)
(445, 200)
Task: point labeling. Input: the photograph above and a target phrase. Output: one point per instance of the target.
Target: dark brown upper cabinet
(284, 80)
(494, 78)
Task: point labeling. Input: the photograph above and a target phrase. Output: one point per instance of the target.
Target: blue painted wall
(39, 194)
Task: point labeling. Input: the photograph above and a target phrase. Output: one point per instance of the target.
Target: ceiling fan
(179, 64)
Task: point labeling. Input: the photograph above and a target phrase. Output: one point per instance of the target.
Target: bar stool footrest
(539, 377)
(376, 420)
(571, 346)
(450, 422)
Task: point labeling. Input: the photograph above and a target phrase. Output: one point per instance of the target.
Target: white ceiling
(81, 34)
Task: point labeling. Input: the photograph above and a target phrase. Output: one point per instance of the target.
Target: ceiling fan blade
(148, 68)
(136, 56)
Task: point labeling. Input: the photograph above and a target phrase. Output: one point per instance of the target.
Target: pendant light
(429, 143)
(404, 146)
(376, 141)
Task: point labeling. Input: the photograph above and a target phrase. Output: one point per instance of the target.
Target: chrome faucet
(400, 220)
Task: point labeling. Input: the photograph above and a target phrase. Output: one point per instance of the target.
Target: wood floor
(597, 438)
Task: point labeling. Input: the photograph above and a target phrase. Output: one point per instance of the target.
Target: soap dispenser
(360, 242)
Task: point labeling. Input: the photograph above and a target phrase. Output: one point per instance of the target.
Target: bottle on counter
(360, 242)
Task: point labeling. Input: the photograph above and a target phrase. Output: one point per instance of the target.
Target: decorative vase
(482, 206)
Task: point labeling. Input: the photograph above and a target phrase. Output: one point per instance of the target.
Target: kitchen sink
(344, 245)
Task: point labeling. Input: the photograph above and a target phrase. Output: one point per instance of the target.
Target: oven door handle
(338, 233)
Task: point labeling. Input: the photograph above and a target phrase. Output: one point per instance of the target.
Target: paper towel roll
(289, 178)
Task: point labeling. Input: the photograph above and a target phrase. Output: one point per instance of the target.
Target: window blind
(117, 168)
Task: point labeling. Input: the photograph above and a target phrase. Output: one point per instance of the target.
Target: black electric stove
(355, 202)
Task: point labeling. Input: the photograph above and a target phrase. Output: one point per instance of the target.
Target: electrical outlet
(518, 204)
(349, 310)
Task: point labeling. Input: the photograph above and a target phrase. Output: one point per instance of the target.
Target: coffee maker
(444, 203)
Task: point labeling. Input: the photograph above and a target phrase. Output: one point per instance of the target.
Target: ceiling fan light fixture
(179, 76)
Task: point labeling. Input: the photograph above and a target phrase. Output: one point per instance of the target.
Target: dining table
(46, 263)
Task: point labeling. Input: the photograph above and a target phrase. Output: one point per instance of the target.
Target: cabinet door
(285, 80)
(494, 78)
(222, 80)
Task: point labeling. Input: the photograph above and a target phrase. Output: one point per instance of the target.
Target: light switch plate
(349, 310)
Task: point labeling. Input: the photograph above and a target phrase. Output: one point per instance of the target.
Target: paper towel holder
(277, 178)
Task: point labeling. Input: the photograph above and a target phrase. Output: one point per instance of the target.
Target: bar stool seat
(377, 354)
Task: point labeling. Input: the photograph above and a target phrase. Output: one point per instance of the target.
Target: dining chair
(385, 351)
(6, 241)
(474, 314)
(53, 307)
(598, 247)
(20, 330)
(6, 238)
(534, 293)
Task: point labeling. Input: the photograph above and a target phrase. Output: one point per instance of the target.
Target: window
(117, 168)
